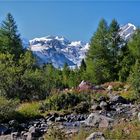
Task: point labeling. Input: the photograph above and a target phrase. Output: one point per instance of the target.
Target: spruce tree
(97, 56)
(126, 60)
(83, 65)
(134, 47)
(134, 78)
(115, 45)
(65, 74)
(9, 38)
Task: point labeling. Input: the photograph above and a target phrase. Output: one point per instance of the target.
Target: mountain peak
(127, 30)
(58, 51)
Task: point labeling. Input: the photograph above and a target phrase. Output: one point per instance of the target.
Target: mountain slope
(127, 31)
(58, 50)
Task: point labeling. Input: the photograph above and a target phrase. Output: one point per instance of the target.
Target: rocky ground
(105, 113)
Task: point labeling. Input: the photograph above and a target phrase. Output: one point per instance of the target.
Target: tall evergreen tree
(126, 60)
(65, 74)
(115, 45)
(134, 45)
(97, 56)
(9, 38)
(134, 78)
(83, 65)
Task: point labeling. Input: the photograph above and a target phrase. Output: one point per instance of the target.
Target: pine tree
(65, 74)
(126, 61)
(134, 78)
(115, 45)
(9, 38)
(83, 65)
(97, 56)
(134, 45)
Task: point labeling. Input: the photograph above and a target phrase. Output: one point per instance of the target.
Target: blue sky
(75, 20)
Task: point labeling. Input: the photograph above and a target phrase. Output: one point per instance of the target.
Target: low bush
(29, 110)
(129, 95)
(82, 107)
(97, 96)
(7, 109)
(65, 101)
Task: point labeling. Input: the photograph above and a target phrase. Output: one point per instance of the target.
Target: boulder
(14, 135)
(52, 117)
(85, 86)
(103, 105)
(13, 123)
(5, 137)
(34, 132)
(110, 88)
(95, 107)
(59, 119)
(96, 136)
(117, 99)
(97, 120)
(32, 129)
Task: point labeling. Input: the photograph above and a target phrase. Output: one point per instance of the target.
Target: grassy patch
(129, 95)
(126, 130)
(55, 134)
(29, 110)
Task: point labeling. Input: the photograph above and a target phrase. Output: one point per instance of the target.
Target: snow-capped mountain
(58, 50)
(127, 31)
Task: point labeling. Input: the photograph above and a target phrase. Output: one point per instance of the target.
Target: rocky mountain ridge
(58, 50)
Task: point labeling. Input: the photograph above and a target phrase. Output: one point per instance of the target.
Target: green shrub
(98, 95)
(82, 107)
(29, 110)
(129, 95)
(7, 108)
(65, 101)
(55, 133)
(134, 78)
